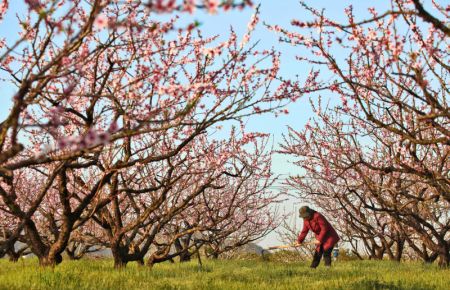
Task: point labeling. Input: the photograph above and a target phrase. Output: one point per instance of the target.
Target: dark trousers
(318, 255)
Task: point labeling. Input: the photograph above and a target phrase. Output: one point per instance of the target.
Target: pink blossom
(212, 5)
(189, 6)
(3, 8)
(101, 22)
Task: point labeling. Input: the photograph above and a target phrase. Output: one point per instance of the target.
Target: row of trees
(120, 131)
(115, 139)
(378, 162)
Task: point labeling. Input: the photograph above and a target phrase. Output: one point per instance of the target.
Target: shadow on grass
(378, 285)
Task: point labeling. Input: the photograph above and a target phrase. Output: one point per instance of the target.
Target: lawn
(223, 274)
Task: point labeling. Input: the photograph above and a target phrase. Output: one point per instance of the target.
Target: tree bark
(444, 259)
(119, 256)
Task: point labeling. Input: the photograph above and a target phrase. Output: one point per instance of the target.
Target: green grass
(223, 274)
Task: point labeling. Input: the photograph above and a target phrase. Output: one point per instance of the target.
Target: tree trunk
(185, 256)
(50, 260)
(75, 251)
(13, 257)
(119, 257)
(48, 255)
(379, 252)
(444, 259)
(400, 246)
(429, 259)
(151, 262)
(119, 263)
(71, 254)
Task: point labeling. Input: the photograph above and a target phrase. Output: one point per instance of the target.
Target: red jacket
(324, 232)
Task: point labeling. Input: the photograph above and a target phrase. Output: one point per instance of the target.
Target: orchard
(126, 128)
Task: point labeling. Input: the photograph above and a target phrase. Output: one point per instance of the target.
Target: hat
(305, 212)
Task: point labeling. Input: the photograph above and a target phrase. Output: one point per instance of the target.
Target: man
(326, 236)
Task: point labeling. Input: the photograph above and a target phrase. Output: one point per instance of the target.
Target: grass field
(223, 274)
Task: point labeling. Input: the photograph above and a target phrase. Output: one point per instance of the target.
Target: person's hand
(317, 242)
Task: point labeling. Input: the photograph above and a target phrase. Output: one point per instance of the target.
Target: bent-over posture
(326, 236)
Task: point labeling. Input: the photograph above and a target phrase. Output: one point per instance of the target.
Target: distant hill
(251, 248)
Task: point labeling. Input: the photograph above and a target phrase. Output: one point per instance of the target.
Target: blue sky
(279, 12)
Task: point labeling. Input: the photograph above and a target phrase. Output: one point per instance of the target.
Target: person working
(326, 236)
